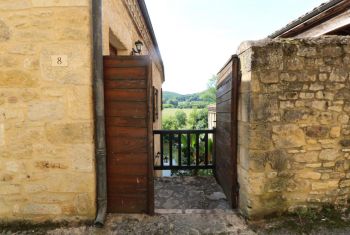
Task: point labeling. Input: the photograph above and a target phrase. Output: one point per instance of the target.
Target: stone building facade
(211, 116)
(47, 150)
(294, 110)
(46, 139)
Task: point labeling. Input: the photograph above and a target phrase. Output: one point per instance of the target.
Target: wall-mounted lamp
(137, 51)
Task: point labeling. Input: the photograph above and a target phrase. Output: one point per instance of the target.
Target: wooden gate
(129, 137)
(226, 129)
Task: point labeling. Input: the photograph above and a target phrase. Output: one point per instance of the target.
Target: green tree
(192, 119)
(212, 82)
(210, 94)
(181, 118)
(176, 121)
(198, 119)
(168, 106)
(202, 119)
(193, 150)
(169, 123)
(173, 102)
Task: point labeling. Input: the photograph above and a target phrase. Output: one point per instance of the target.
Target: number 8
(59, 60)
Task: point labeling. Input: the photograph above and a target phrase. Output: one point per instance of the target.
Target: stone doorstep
(193, 211)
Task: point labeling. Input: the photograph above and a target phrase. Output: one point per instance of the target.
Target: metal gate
(186, 150)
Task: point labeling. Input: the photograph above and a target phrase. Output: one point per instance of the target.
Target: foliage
(181, 118)
(212, 82)
(197, 100)
(200, 172)
(168, 106)
(175, 122)
(177, 119)
(172, 111)
(210, 93)
(170, 123)
(170, 95)
(192, 104)
(198, 119)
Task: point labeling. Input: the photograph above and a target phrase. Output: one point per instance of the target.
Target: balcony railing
(184, 149)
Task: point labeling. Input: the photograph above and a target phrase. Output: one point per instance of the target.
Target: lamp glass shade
(139, 45)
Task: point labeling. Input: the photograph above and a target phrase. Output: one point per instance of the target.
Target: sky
(197, 37)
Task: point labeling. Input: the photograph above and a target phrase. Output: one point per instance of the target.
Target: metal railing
(184, 149)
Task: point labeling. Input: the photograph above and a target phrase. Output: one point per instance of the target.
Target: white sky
(197, 37)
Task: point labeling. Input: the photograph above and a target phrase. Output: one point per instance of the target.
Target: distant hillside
(195, 100)
(170, 95)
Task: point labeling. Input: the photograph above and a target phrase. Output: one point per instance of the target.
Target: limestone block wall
(46, 113)
(118, 27)
(294, 131)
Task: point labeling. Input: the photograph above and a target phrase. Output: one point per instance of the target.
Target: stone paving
(177, 224)
(200, 192)
(184, 206)
(169, 224)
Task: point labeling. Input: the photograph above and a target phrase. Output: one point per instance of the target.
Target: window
(161, 99)
(155, 105)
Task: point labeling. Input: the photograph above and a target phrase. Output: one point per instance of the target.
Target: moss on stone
(304, 220)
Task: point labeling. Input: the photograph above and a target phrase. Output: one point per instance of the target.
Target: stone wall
(46, 114)
(118, 28)
(294, 131)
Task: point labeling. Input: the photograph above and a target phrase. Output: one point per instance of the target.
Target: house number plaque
(59, 60)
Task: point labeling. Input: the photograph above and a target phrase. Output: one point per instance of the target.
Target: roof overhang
(319, 15)
(148, 22)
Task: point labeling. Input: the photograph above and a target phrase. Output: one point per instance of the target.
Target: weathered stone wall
(294, 132)
(119, 28)
(46, 115)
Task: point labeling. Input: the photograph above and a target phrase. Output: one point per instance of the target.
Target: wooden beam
(330, 25)
(316, 20)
